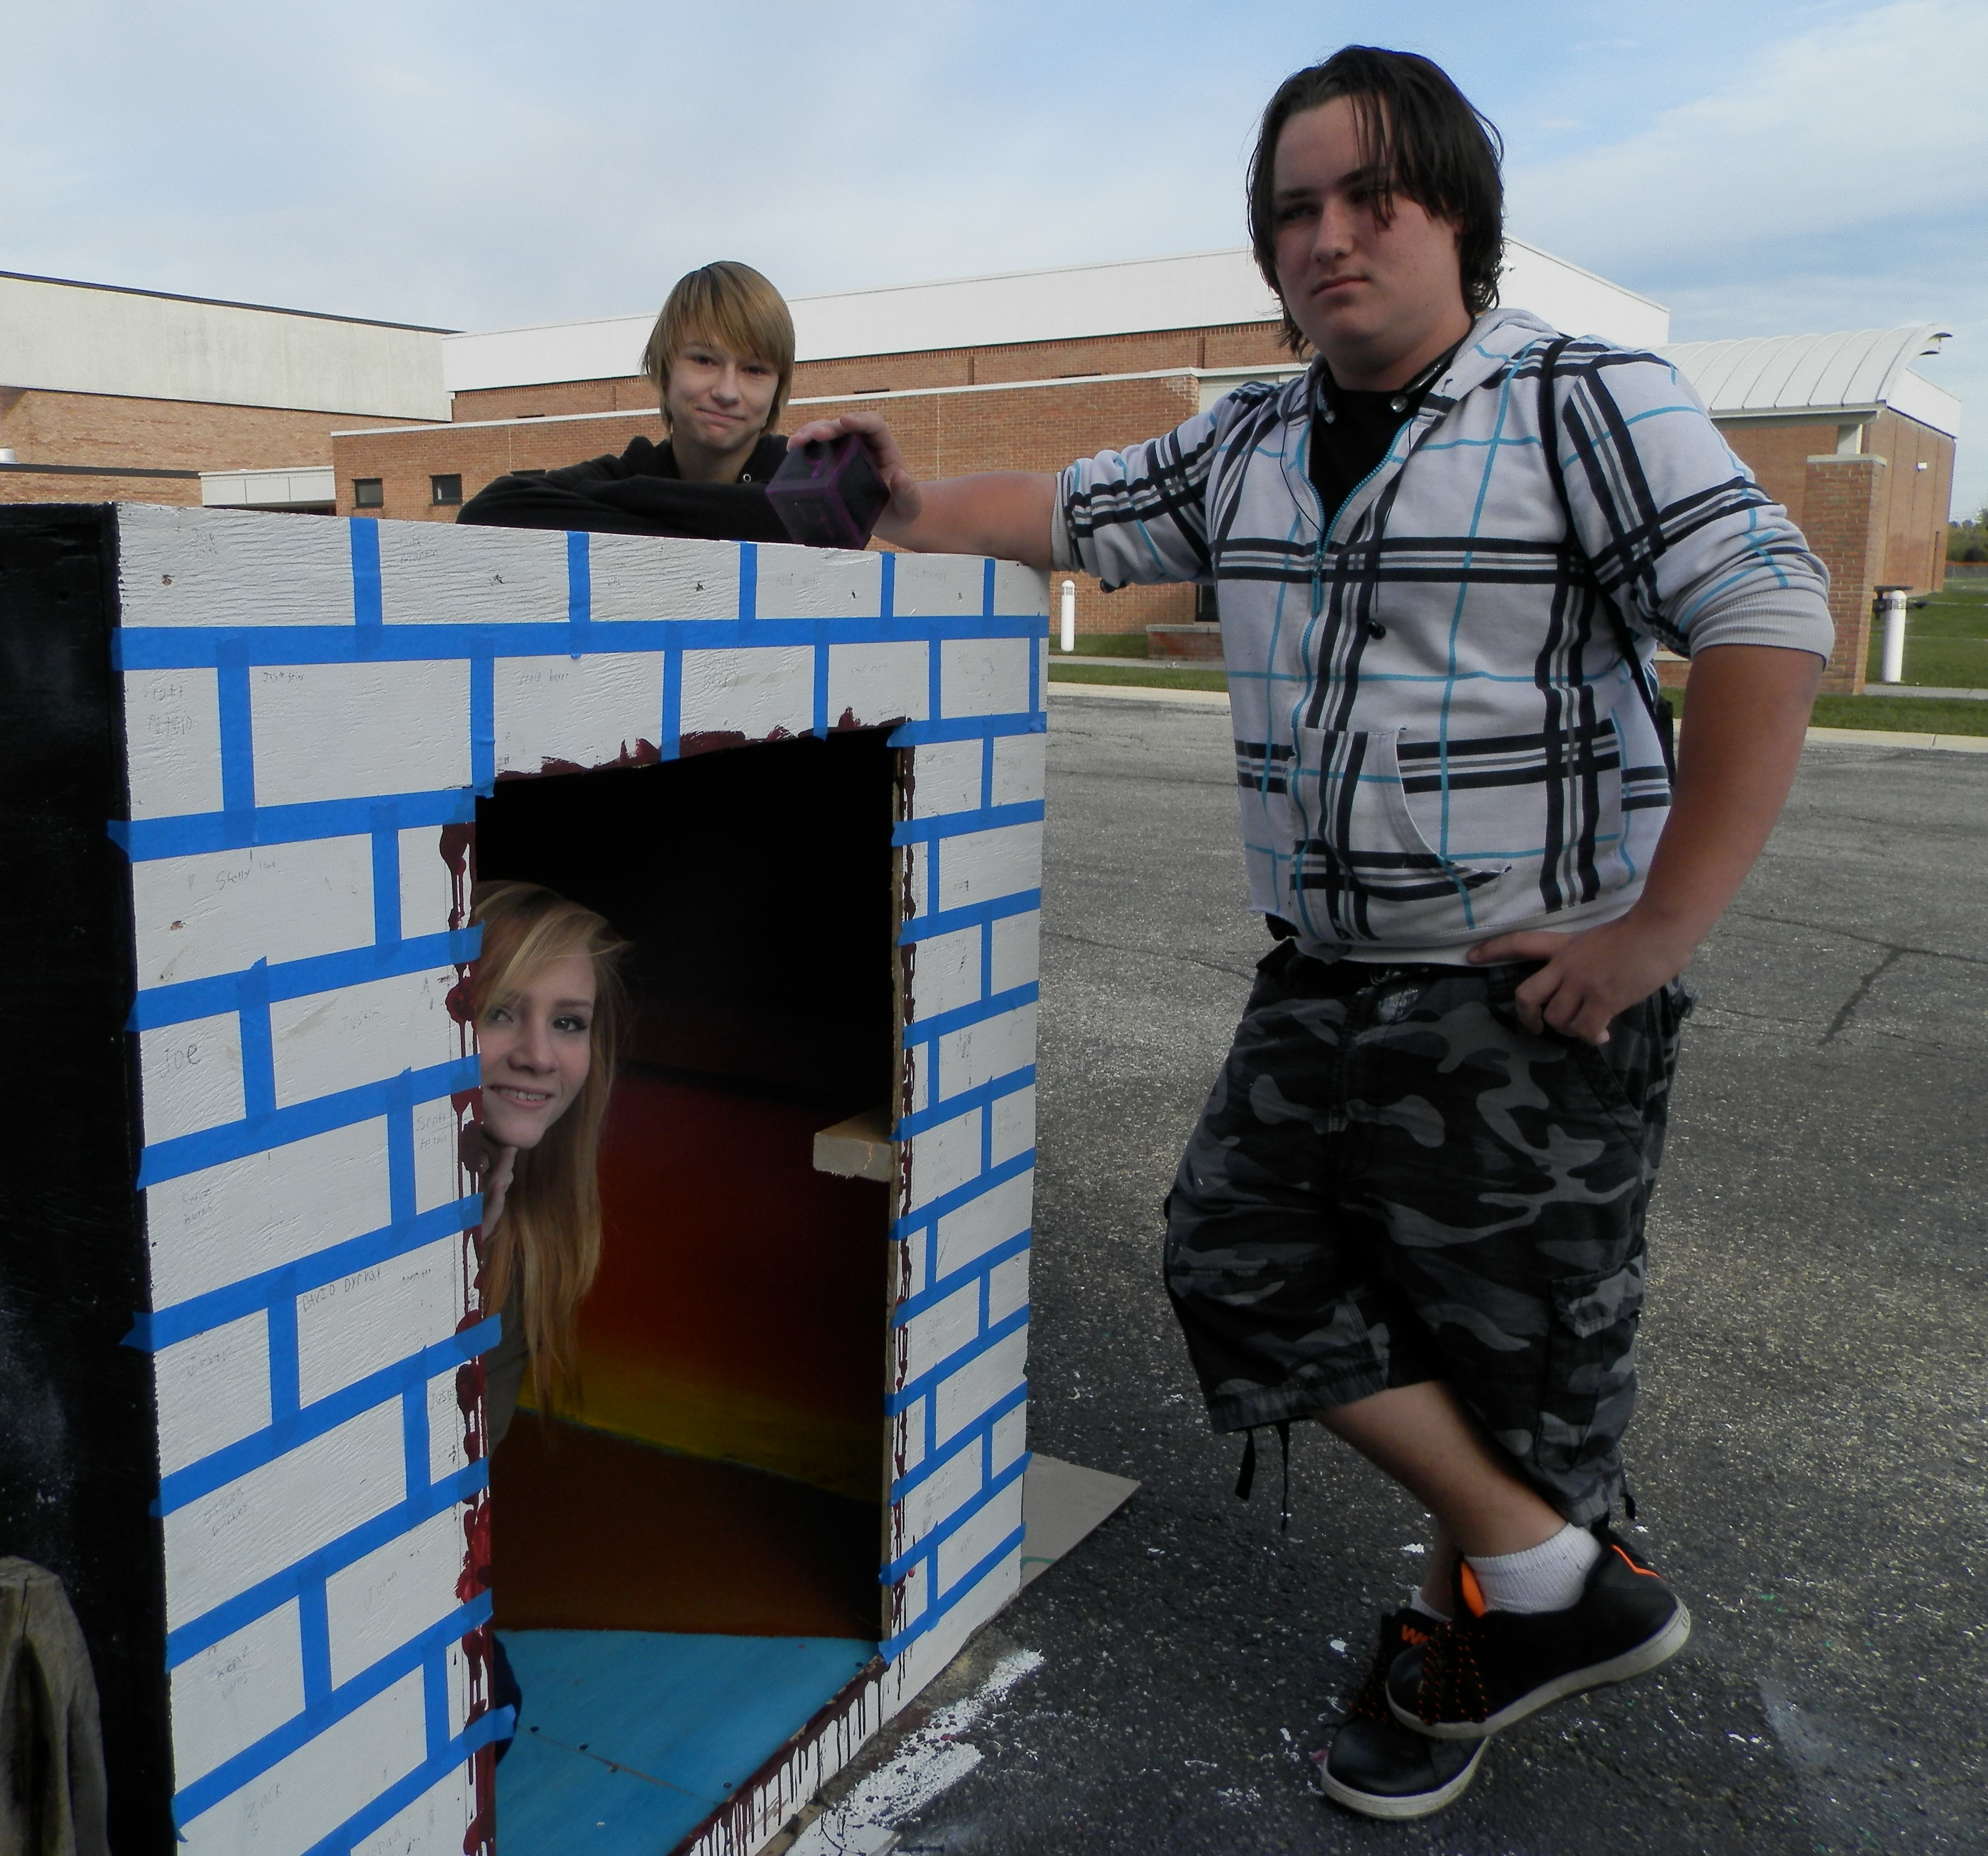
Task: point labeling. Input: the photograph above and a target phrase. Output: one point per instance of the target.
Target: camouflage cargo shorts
(1394, 1181)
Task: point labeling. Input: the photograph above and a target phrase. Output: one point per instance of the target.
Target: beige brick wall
(73, 428)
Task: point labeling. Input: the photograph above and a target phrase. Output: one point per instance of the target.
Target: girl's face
(537, 1046)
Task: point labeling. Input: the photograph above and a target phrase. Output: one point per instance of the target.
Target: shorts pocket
(1589, 1384)
(1360, 869)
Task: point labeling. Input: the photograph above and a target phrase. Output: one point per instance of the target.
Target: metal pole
(1069, 615)
(1892, 599)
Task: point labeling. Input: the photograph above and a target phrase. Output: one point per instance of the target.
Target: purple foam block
(827, 493)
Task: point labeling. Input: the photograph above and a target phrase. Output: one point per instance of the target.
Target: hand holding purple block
(827, 493)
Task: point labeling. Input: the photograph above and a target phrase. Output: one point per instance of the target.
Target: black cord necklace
(1404, 399)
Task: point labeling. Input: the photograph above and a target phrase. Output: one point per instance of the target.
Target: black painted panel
(78, 1462)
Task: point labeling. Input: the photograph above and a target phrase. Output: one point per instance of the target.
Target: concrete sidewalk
(1811, 1451)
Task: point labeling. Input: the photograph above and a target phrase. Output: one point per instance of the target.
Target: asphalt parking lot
(1810, 1449)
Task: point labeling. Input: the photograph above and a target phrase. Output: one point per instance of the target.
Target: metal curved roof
(1855, 371)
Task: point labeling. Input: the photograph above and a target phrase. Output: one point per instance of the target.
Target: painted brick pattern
(310, 707)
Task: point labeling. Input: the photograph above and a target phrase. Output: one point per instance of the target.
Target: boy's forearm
(1005, 513)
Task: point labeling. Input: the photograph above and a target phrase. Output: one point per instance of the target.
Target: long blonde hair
(545, 1248)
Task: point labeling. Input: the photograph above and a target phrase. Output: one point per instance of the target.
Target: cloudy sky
(1765, 169)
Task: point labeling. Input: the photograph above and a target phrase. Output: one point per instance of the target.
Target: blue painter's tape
(963, 728)
(386, 878)
(974, 1437)
(280, 1329)
(192, 998)
(245, 1608)
(314, 1421)
(255, 1134)
(314, 1631)
(401, 1163)
(202, 647)
(748, 585)
(910, 1394)
(820, 728)
(933, 1294)
(238, 753)
(964, 1102)
(954, 1522)
(671, 737)
(414, 1431)
(950, 920)
(579, 584)
(167, 1327)
(324, 1709)
(888, 587)
(987, 589)
(482, 726)
(926, 1030)
(259, 1057)
(893, 1648)
(933, 1210)
(956, 824)
(142, 840)
(366, 604)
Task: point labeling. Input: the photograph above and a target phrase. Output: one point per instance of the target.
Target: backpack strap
(1662, 713)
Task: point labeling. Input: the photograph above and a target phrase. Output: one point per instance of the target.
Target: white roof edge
(1566, 264)
(1848, 371)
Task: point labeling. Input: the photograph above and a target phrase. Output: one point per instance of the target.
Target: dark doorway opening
(717, 1477)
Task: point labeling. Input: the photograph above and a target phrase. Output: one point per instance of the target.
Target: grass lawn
(1147, 676)
(1946, 642)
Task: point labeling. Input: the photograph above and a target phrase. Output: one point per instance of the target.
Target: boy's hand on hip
(1590, 977)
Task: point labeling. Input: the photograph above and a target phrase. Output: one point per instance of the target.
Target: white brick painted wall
(978, 1226)
(819, 584)
(427, 886)
(172, 735)
(1017, 951)
(393, 1594)
(386, 1311)
(751, 693)
(1014, 1118)
(213, 1390)
(214, 1226)
(307, 1796)
(438, 1175)
(448, 1449)
(634, 577)
(1007, 1287)
(979, 866)
(520, 577)
(254, 1527)
(985, 676)
(431, 1826)
(874, 683)
(980, 1385)
(590, 712)
(1020, 769)
(945, 777)
(940, 1331)
(350, 730)
(946, 973)
(938, 586)
(192, 1076)
(953, 1483)
(222, 911)
(944, 1158)
(1009, 1440)
(964, 1550)
(179, 567)
(978, 1053)
(330, 1041)
(228, 1695)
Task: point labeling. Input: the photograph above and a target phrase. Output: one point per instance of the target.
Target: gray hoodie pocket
(1360, 869)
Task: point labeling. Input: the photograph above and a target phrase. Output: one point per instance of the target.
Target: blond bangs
(732, 306)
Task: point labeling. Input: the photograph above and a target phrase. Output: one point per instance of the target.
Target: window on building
(445, 489)
(368, 493)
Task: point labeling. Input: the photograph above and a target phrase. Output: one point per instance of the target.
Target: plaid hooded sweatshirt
(1443, 692)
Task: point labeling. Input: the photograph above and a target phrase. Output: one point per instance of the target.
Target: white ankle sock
(1421, 1607)
(1547, 1577)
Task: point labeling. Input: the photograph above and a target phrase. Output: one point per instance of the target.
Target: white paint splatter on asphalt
(931, 1761)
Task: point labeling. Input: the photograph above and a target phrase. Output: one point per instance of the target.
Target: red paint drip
(459, 852)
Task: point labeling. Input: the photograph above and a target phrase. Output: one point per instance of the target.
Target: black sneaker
(1487, 1669)
(1374, 1765)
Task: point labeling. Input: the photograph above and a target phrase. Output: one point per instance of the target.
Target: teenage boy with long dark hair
(1445, 558)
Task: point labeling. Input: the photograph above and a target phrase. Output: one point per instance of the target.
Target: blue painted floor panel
(628, 1740)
